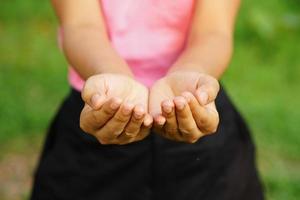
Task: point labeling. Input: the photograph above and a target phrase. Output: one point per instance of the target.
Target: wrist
(187, 67)
(122, 72)
(112, 71)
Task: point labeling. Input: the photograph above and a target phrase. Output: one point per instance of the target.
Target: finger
(158, 124)
(206, 118)
(170, 127)
(144, 132)
(207, 90)
(97, 101)
(115, 126)
(87, 120)
(213, 121)
(91, 120)
(94, 91)
(159, 121)
(134, 125)
(148, 121)
(107, 111)
(186, 123)
(159, 92)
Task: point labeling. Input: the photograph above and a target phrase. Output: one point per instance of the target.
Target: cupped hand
(115, 110)
(183, 106)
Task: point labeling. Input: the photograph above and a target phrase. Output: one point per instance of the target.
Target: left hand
(183, 106)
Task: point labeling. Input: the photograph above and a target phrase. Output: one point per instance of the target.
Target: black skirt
(74, 165)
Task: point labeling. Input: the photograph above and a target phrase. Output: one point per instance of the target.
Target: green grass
(263, 80)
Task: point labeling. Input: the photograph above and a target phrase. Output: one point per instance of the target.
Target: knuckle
(171, 131)
(130, 134)
(120, 119)
(203, 121)
(132, 131)
(190, 135)
(117, 132)
(186, 130)
(96, 117)
(107, 111)
(136, 121)
(110, 130)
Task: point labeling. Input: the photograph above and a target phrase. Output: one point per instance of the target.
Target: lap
(74, 165)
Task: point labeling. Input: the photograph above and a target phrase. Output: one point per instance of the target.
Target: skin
(186, 110)
(114, 112)
(205, 58)
(182, 103)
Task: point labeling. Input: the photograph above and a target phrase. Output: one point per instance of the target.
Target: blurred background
(263, 80)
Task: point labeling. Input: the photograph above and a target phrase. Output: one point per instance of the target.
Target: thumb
(94, 91)
(207, 89)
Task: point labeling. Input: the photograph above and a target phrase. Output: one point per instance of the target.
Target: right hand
(115, 110)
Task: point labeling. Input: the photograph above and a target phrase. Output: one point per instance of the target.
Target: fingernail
(115, 104)
(180, 105)
(94, 100)
(203, 96)
(179, 102)
(168, 109)
(148, 121)
(161, 121)
(187, 96)
(139, 113)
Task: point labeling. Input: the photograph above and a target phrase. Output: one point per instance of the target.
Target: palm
(116, 109)
(119, 86)
(184, 81)
(183, 107)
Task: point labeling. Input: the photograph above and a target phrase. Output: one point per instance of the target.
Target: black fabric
(74, 165)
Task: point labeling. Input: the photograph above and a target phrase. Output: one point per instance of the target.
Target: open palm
(115, 110)
(182, 104)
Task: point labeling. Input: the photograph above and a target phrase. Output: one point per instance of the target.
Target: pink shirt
(148, 34)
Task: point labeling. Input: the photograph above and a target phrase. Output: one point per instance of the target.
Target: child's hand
(183, 106)
(116, 109)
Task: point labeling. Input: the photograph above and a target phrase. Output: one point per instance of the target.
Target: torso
(148, 34)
